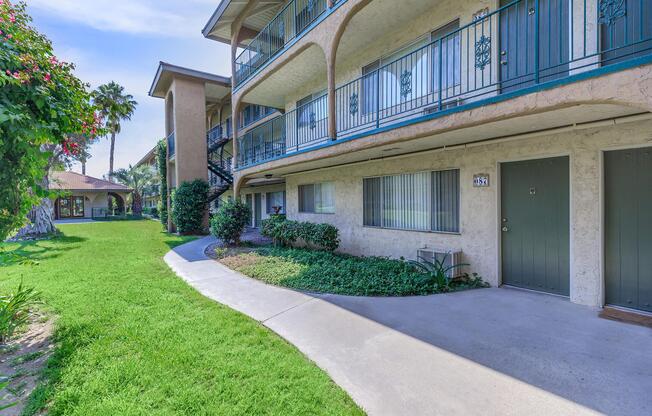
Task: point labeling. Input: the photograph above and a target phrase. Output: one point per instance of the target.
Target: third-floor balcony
(522, 47)
(293, 19)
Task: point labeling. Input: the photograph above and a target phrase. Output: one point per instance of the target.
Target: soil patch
(22, 361)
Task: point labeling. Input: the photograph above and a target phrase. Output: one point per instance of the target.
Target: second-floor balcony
(513, 50)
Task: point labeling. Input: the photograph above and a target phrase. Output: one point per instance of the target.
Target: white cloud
(156, 17)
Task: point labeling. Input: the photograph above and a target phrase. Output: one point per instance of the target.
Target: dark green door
(535, 224)
(628, 228)
(518, 22)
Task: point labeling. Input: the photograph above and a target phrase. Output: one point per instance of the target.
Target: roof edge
(192, 73)
(118, 186)
(217, 14)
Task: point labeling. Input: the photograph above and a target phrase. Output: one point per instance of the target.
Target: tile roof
(72, 181)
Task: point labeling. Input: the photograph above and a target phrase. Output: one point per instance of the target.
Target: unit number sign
(481, 180)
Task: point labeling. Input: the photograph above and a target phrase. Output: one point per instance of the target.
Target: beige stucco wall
(189, 115)
(479, 211)
(190, 130)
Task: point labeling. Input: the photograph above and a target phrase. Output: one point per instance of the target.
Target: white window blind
(318, 198)
(424, 201)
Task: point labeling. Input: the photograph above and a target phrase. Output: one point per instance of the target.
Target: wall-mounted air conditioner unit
(450, 258)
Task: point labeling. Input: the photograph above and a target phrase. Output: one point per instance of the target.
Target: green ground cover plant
(327, 272)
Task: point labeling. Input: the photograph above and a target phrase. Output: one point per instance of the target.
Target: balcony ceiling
(378, 20)
(219, 26)
(499, 129)
(306, 69)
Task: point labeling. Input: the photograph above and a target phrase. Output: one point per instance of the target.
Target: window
(450, 56)
(370, 87)
(310, 111)
(275, 199)
(424, 201)
(317, 198)
(64, 207)
(387, 73)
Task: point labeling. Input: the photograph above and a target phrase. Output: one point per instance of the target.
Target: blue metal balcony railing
(220, 132)
(504, 53)
(290, 22)
(295, 130)
(171, 146)
(252, 113)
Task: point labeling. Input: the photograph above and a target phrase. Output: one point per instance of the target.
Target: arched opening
(299, 73)
(116, 204)
(299, 91)
(169, 114)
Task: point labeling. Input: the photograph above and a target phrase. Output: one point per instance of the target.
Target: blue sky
(123, 41)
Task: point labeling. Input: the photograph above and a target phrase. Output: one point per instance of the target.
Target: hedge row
(286, 233)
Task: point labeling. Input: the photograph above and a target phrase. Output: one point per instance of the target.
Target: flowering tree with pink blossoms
(44, 113)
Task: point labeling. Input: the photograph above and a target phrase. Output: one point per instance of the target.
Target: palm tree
(137, 178)
(115, 106)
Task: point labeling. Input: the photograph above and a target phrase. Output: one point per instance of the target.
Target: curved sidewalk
(479, 352)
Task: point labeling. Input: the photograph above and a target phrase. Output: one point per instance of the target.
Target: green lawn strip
(325, 272)
(134, 339)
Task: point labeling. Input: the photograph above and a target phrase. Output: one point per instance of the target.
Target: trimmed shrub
(286, 233)
(326, 236)
(269, 225)
(189, 204)
(230, 220)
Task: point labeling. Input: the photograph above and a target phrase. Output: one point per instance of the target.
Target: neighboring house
(516, 133)
(151, 194)
(85, 196)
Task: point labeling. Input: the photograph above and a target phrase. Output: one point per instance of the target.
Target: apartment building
(517, 133)
(151, 195)
(200, 131)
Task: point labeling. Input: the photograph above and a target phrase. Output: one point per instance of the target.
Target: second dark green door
(535, 224)
(628, 228)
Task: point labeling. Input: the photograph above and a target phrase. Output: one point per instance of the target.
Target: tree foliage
(41, 105)
(115, 106)
(161, 162)
(137, 178)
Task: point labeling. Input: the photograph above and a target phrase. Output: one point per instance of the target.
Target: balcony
(220, 133)
(290, 23)
(253, 113)
(517, 49)
(171, 146)
(291, 132)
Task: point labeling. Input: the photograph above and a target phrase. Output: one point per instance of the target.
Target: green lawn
(133, 339)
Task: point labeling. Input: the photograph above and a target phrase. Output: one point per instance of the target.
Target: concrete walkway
(480, 352)
(75, 221)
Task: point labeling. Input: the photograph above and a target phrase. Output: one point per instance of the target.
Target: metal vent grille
(450, 258)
